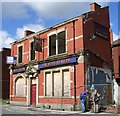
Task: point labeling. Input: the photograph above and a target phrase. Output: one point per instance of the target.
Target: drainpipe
(74, 66)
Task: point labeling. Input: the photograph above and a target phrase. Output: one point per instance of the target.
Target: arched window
(20, 86)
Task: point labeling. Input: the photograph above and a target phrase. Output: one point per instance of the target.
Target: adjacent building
(56, 64)
(5, 74)
(116, 69)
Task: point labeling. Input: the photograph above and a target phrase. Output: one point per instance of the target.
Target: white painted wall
(116, 94)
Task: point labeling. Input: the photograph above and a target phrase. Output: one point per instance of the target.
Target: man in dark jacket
(83, 100)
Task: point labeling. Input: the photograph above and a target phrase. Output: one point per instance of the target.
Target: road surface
(8, 110)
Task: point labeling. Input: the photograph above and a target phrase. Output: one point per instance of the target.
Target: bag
(81, 97)
(96, 99)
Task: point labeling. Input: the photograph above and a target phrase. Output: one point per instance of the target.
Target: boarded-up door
(57, 84)
(33, 96)
(66, 83)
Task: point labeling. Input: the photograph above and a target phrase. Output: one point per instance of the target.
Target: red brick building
(72, 56)
(116, 59)
(5, 74)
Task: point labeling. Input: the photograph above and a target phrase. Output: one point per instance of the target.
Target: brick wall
(116, 55)
(5, 73)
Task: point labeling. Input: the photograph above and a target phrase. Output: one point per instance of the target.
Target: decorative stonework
(32, 70)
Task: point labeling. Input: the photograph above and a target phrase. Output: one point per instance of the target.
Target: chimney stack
(94, 6)
(28, 32)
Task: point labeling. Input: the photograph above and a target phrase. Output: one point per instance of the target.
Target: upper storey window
(32, 51)
(57, 43)
(20, 52)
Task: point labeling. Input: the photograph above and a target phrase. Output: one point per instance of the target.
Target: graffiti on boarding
(99, 77)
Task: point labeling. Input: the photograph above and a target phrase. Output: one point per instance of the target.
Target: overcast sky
(19, 16)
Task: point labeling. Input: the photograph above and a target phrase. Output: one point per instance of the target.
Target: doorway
(33, 94)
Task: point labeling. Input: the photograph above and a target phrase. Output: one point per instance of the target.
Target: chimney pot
(28, 32)
(94, 6)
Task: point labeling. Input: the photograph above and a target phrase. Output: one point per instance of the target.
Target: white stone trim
(45, 47)
(71, 81)
(76, 96)
(78, 37)
(28, 91)
(25, 53)
(36, 66)
(11, 95)
(40, 96)
(37, 90)
(11, 71)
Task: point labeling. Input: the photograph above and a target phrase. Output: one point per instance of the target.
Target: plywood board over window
(66, 83)
(48, 84)
(19, 87)
(57, 84)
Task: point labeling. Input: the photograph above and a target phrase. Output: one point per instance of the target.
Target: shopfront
(25, 85)
(57, 83)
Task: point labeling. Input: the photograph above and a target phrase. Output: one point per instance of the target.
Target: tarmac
(36, 110)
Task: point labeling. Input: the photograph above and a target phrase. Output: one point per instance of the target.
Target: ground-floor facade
(51, 87)
(51, 84)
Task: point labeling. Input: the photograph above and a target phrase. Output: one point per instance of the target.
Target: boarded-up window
(61, 42)
(66, 83)
(32, 52)
(48, 84)
(57, 84)
(20, 87)
(20, 54)
(101, 31)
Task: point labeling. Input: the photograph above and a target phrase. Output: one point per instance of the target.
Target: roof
(3, 49)
(49, 28)
(55, 26)
(116, 42)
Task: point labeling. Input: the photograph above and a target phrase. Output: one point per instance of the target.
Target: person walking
(95, 99)
(83, 101)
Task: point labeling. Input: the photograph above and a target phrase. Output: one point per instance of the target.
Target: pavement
(13, 109)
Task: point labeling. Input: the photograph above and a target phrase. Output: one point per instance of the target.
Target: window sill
(19, 96)
(33, 61)
(57, 56)
(62, 97)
